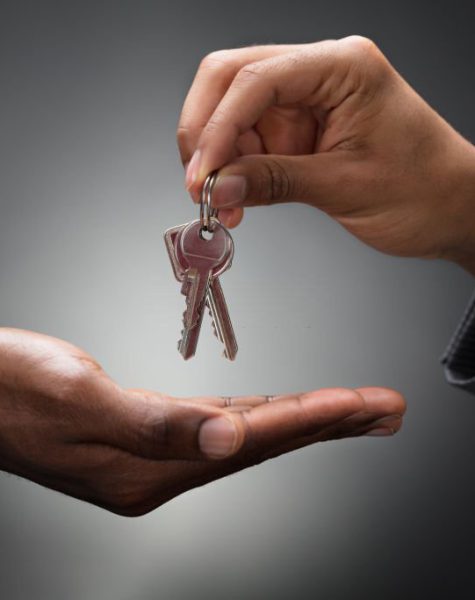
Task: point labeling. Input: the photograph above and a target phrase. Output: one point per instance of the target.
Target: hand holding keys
(200, 251)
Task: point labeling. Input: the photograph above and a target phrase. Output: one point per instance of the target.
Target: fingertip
(391, 398)
(384, 427)
(231, 217)
(192, 170)
(194, 193)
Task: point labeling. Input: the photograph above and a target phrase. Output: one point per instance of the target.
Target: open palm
(66, 425)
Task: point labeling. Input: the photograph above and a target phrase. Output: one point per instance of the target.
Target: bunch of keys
(201, 251)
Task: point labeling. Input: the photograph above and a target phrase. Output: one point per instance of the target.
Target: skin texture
(331, 124)
(66, 425)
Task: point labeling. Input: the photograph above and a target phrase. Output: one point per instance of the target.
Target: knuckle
(184, 136)
(73, 378)
(249, 74)
(292, 60)
(217, 60)
(153, 434)
(215, 122)
(362, 45)
(251, 452)
(352, 399)
(277, 181)
(350, 404)
(366, 59)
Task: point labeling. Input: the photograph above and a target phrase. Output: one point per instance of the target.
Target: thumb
(271, 179)
(155, 426)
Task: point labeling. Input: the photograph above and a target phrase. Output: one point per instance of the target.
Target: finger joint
(279, 181)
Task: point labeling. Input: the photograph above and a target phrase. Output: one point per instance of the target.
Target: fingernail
(229, 190)
(380, 432)
(217, 437)
(192, 169)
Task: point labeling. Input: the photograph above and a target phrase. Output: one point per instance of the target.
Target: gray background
(90, 93)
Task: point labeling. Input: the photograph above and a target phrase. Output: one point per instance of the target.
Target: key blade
(189, 289)
(192, 288)
(189, 339)
(221, 321)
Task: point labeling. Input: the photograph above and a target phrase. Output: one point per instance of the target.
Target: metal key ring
(208, 214)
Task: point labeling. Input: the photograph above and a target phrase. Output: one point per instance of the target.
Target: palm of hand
(130, 451)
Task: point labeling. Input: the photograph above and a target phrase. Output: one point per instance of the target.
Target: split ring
(208, 214)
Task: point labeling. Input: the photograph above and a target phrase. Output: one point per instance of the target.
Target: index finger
(213, 78)
(320, 76)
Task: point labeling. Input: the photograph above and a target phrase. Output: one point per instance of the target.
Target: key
(190, 333)
(194, 267)
(221, 320)
(215, 301)
(203, 259)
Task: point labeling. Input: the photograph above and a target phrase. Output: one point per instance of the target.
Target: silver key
(221, 320)
(204, 259)
(192, 282)
(215, 301)
(190, 332)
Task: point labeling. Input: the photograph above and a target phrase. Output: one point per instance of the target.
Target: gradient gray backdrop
(90, 93)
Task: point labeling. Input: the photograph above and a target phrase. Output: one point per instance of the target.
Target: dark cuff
(459, 358)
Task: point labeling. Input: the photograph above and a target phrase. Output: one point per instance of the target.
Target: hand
(334, 125)
(65, 425)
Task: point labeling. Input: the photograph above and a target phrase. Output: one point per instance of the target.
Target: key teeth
(213, 322)
(187, 331)
(182, 334)
(180, 341)
(215, 331)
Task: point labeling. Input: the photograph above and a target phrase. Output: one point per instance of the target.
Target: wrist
(461, 206)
